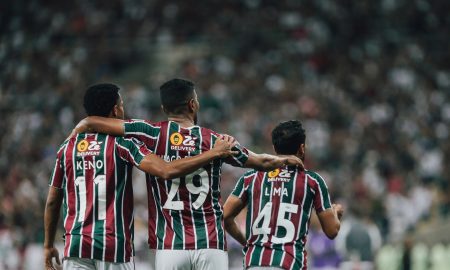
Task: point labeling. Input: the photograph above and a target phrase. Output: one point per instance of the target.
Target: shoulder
(313, 174)
(62, 147)
(250, 175)
(207, 131)
(315, 177)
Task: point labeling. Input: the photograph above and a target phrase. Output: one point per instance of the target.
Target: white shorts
(90, 264)
(200, 259)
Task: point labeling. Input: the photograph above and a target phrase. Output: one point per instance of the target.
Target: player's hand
(338, 209)
(81, 127)
(292, 160)
(223, 146)
(49, 253)
(230, 139)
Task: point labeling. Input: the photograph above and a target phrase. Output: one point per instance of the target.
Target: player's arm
(266, 162)
(232, 207)
(51, 216)
(156, 166)
(330, 220)
(111, 126)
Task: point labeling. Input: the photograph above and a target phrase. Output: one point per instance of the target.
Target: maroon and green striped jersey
(186, 212)
(94, 171)
(279, 205)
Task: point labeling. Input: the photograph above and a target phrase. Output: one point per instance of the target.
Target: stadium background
(369, 79)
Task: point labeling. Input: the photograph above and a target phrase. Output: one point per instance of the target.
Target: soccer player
(279, 205)
(186, 217)
(92, 175)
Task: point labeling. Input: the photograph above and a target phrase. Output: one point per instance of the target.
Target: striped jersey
(94, 171)
(279, 205)
(186, 212)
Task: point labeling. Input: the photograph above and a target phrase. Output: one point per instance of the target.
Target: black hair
(175, 94)
(287, 137)
(99, 99)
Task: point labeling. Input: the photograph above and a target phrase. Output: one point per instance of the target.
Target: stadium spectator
(371, 79)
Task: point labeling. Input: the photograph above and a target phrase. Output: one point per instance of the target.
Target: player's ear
(192, 105)
(301, 151)
(163, 109)
(115, 110)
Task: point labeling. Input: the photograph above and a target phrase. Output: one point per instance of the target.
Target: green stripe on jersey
(75, 240)
(215, 189)
(198, 216)
(277, 255)
(178, 241)
(99, 225)
(121, 176)
(256, 255)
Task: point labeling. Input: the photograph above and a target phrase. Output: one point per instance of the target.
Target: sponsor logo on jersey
(282, 175)
(180, 142)
(86, 148)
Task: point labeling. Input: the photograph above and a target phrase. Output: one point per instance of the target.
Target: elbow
(228, 222)
(333, 231)
(51, 204)
(163, 174)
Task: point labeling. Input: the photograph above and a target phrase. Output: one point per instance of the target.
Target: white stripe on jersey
(212, 199)
(66, 195)
(105, 151)
(115, 200)
(140, 134)
(93, 208)
(167, 183)
(290, 214)
(122, 213)
(194, 226)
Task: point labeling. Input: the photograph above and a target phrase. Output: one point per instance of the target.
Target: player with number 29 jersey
(279, 205)
(94, 170)
(184, 213)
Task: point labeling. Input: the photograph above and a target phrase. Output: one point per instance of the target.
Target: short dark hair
(175, 94)
(287, 137)
(99, 99)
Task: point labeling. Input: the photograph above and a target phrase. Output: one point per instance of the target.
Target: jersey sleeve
(57, 178)
(241, 188)
(143, 131)
(321, 195)
(131, 150)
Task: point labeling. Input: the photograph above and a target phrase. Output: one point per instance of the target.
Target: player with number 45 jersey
(279, 205)
(92, 179)
(185, 214)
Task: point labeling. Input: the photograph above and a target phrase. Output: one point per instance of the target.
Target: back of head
(287, 137)
(176, 93)
(100, 99)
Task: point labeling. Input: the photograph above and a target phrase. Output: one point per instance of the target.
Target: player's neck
(182, 120)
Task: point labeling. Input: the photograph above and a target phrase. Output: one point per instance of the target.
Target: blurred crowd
(370, 80)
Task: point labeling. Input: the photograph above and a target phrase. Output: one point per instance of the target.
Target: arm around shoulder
(111, 126)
